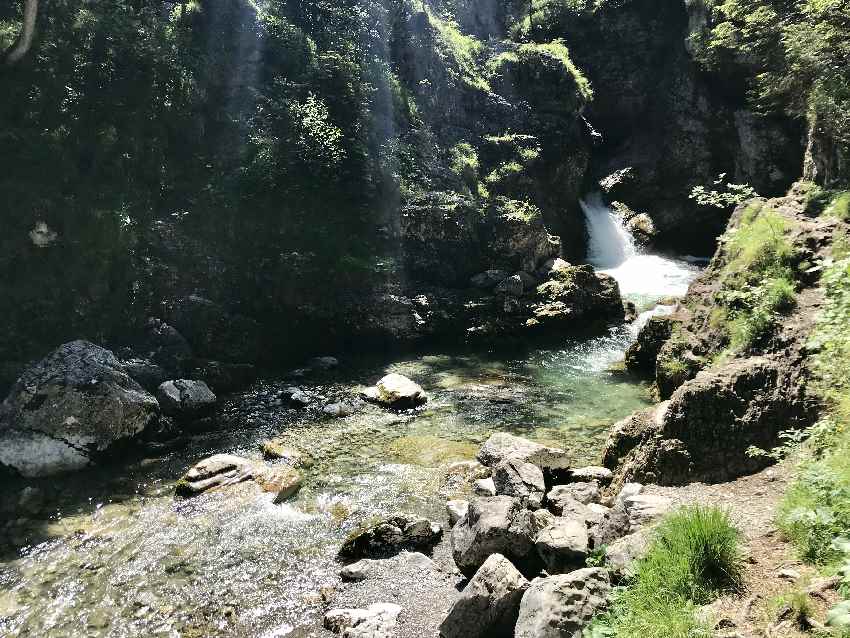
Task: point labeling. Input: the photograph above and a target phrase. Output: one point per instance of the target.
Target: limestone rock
(339, 409)
(645, 508)
(561, 606)
(584, 493)
(621, 554)
(69, 409)
(185, 399)
(489, 604)
(456, 510)
(501, 446)
(396, 391)
(484, 487)
(563, 545)
(390, 535)
(489, 279)
(513, 477)
(495, 525)
(601, 475)
(376, 621)
(222, 470)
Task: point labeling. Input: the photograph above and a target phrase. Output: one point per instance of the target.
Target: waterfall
(611, 244)
(611, 250)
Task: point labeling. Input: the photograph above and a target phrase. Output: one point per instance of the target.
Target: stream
(111, 553)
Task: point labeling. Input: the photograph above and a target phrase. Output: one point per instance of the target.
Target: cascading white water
(642, 277)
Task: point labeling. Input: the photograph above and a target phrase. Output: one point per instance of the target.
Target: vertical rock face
(69, 408)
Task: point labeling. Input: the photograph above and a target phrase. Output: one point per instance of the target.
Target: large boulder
(502, 446)
(185, 399)
(494, 525)
(69, 409)
(561, 606)
(576, 293)
(513, 477)
(388, 536)
(489, 604)
(396, 391)
(563, 545)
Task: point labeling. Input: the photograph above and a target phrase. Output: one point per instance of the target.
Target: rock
(295, 397)
(562, 503)
(390, 535)
(376, 621)
(456, 510)
(69, 409)
(601, 475)
(396, 391)
(356, 571)
(185, 399)
(489, 279)
(619, 185)
(222, 470)
(338, 410)
(501, 446)
(540, 520)
(645, 508)
(31, 500)
(561, 606)
(223, 377)
(576, 292)
(516, 241)
(608, 525)
(563, 545)
(628, 489)
(488, 606)
(323, 363)
(621, 554)
(529, 281)
(513, 477)
(584, 493)
(642, 355)
(552, 267)
(511, 286)
(495, 525)
(165, 346)
(275, 450)
(148, 374)
(460, 476)
(484, 487)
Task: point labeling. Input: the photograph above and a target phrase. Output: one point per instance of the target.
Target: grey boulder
(186, 399)
(514, 477)
(390, 535)
(70, 408)
(489, 604)
(494, 525)
(376, 621)
(563, 544)
(501, 446)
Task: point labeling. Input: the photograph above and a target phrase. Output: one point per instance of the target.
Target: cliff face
(317, 158)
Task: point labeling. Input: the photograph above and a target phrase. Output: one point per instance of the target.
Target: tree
(22, 45)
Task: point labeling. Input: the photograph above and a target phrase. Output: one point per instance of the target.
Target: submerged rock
(561, 606)
(275, 450)
(339, 409)
(396, 391)
(70, 408)
(391, 535)
(185, 399)
(376, 621)
(488, 606)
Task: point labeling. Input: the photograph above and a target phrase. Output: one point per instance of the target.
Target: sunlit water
(115, 554)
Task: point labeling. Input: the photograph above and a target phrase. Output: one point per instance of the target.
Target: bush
(693, 558)
(840, 206)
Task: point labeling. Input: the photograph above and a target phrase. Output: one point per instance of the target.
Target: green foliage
(464, 163)
(693, 558)
(840, 207)
(731, 195)
(461, 49)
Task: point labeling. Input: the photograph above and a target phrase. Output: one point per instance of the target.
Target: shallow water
(113, 553)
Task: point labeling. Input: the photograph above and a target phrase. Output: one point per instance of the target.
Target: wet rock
(621, 554)
(494, 525)
(456, 510)
(396, 391)
(562, 605)
(563, 545)
(643, 353)
(489, 605)
(338, 410)
(376, 621)
(222, 470)
(69, 409)
(223, 377)
(185, 399)
(484, 487)
(323, 363)
(552, 267)
(501, 446)
(584, 493)
(275, 450)
(391, 535)
(163, 345)
(620, 185)
(489, 279)
(146, 373)
(513, 477)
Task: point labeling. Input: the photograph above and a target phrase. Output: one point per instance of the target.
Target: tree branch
(22, 45)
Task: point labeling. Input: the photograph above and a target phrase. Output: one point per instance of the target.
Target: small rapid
(642, 276)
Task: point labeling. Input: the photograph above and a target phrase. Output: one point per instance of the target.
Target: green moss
(461, 49)
(183, 488)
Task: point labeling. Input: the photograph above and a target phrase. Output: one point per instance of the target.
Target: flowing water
(111, 552)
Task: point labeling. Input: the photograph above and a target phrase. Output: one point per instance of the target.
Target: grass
(461, 49)
(693, 559)
(816, 507)
(840, 206)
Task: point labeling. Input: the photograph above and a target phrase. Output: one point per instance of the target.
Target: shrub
(840, 206)
(693, 558)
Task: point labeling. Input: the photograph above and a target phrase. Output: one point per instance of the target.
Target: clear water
(113, 553)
